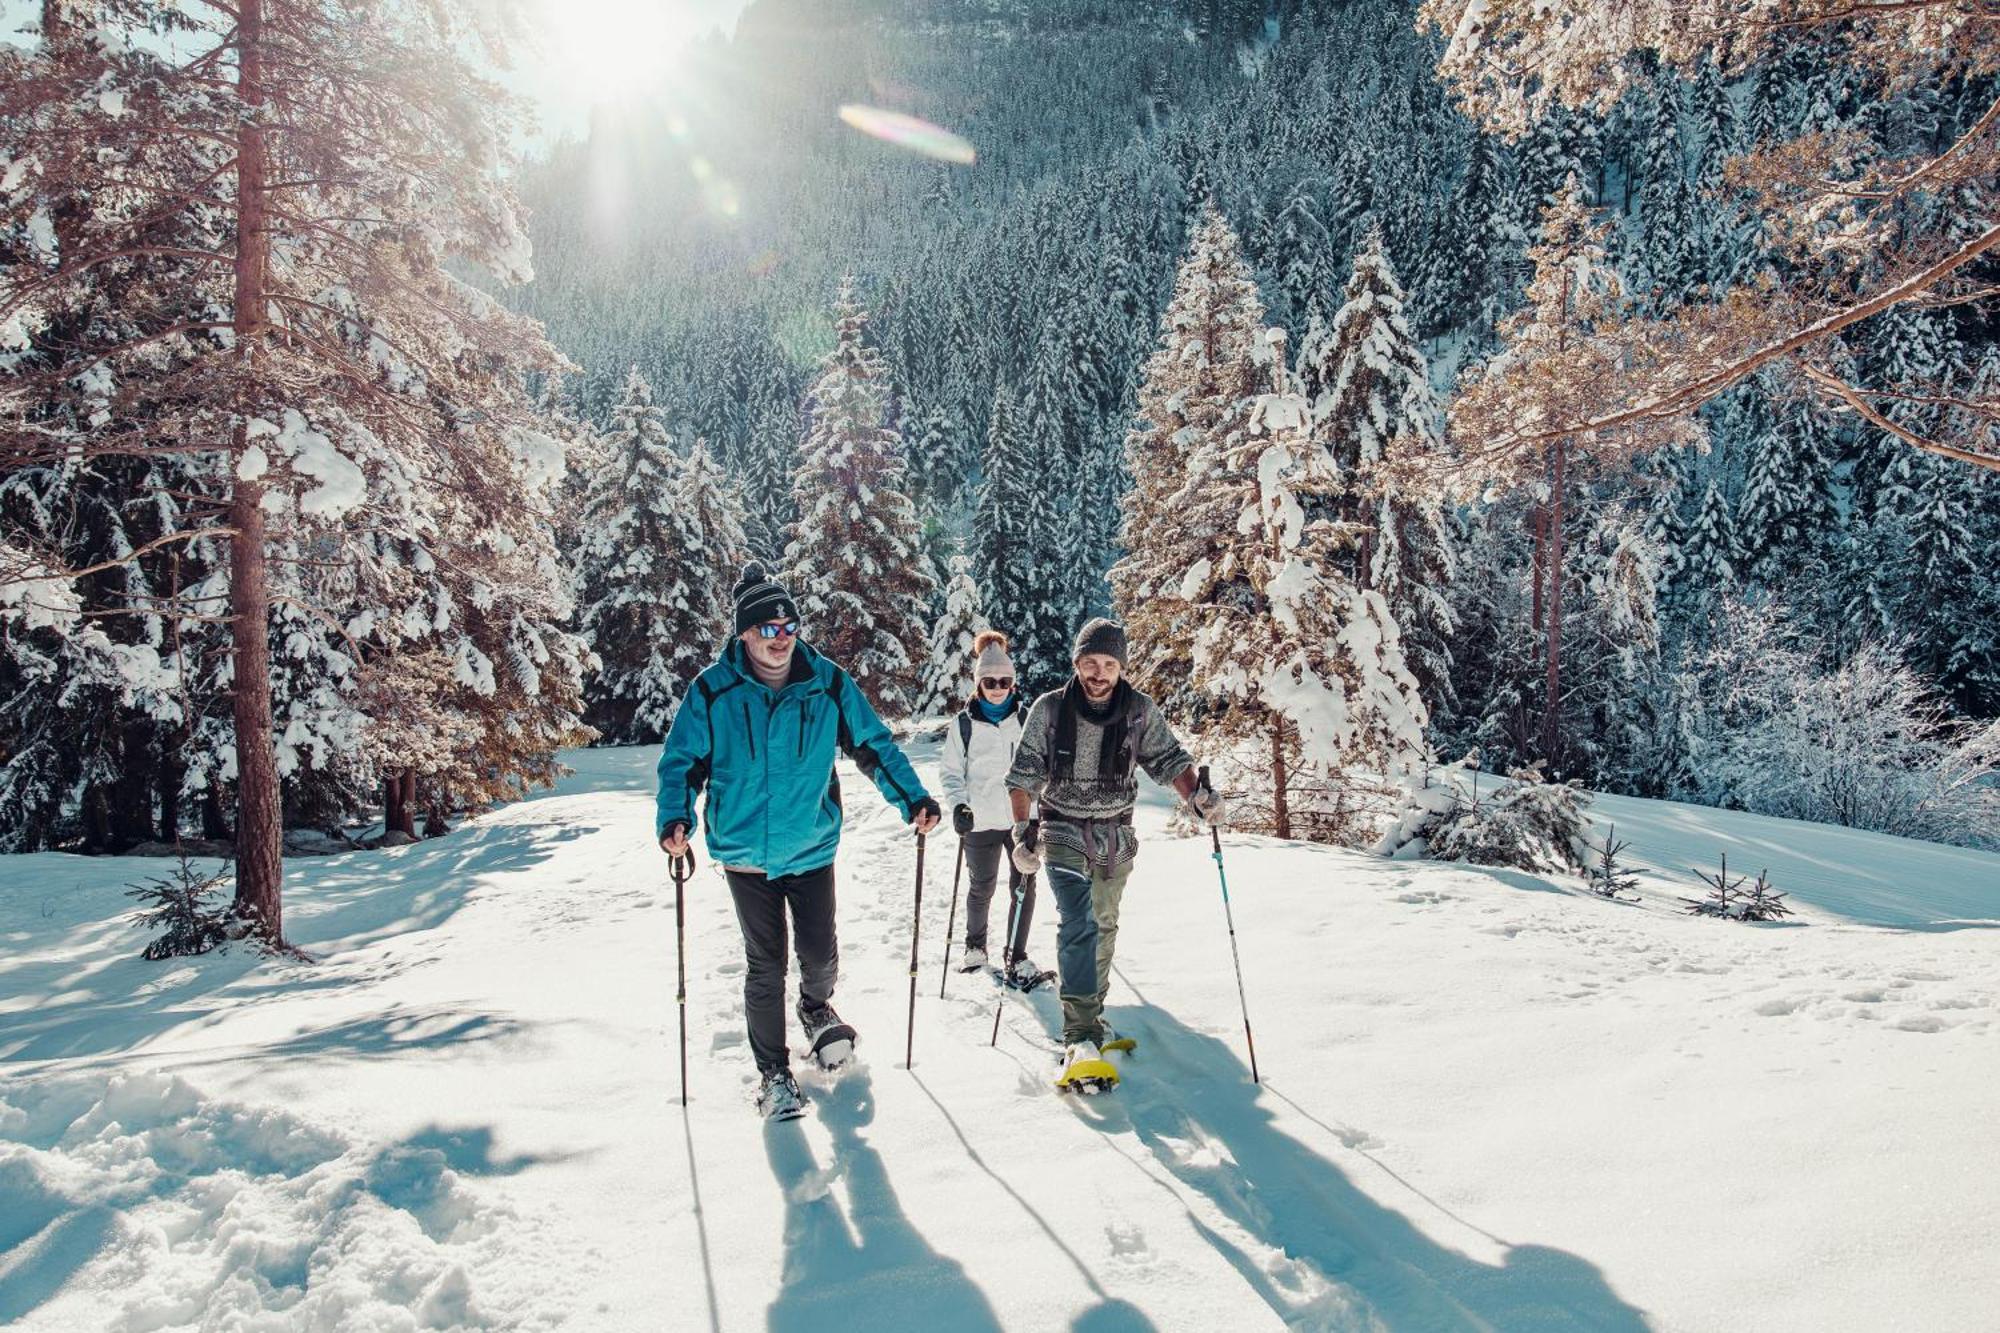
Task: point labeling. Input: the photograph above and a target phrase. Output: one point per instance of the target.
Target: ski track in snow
(1483, 1090)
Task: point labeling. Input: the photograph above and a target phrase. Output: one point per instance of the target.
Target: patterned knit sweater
(1081, 796)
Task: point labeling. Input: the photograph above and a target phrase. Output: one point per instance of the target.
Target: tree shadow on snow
(49, 1258)
(868, 1267)
(336, 908)
(1185, 1090)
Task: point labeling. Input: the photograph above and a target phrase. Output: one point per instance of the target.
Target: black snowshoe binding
(779, 1098)
(1023, 975)
(830, 1040)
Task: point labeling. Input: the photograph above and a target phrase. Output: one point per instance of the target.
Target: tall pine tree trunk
(1552, 714)
(1540, 521)
(259, 832)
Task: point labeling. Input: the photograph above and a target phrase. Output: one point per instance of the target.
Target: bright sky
(582, 52)
(587, 52)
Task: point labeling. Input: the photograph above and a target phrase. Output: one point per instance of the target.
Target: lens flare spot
(910, 133)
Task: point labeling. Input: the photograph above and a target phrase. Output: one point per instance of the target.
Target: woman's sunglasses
(996, 682)
(770, 630)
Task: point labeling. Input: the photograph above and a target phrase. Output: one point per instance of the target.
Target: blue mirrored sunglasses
(786, 628)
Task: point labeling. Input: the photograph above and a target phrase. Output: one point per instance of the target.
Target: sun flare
(609, 49)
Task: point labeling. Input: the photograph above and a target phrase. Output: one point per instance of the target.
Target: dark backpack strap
(965, 730)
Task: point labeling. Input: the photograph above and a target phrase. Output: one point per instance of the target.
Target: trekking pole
(951, 922)
(1013, 915)
(683, 866)
(1215, 841)
(916, 927)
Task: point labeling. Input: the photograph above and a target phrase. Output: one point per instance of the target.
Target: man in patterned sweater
(1078, 754)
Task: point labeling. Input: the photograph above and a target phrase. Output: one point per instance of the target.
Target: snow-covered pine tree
(1613, 636)
(1014, 503)
(92, 713)
(951, 643)
(1304, 667)
(1477, 233)
(1374, 412)
(1304, 259)
(1711, 560)
(662, 541)
(1894, 245)
(1666, 205)
(769, 460)
(357, 372)
(855, 561)
(1060, 539)
(1788, 513)
(1198, 391)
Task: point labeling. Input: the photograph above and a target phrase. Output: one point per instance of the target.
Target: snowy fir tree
(662, 540)
(855, 560)
(1306, 666)
(946, 671)
(1014, 518)
(1710, 557)
(1788, 515)
(1374, 412)
(1199, 389)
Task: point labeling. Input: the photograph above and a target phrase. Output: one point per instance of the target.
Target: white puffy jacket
(974, 772)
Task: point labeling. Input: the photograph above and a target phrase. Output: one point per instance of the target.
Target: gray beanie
(759, 598)
(993, 660)
(1100, 636)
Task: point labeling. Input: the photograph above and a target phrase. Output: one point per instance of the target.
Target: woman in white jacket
(978, 750)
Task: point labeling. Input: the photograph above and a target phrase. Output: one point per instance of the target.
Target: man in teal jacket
(757, 731)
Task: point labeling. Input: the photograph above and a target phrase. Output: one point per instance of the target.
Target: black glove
(927, 806)
(961, 820)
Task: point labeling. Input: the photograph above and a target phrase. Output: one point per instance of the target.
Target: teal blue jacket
(766, 761)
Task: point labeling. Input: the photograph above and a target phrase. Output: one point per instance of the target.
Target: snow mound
(135, 1201)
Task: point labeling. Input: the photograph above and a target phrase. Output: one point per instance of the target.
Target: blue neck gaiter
(999, 712)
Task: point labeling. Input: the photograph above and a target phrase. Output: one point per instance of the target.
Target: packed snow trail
(1490, 1101)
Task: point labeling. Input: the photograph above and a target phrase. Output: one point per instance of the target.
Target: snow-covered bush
(1522, 822)
(1867, 743)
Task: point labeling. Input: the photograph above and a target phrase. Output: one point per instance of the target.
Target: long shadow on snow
(1186, 1086)
(124, 1003)
(1109, 1315)
(869, 1268)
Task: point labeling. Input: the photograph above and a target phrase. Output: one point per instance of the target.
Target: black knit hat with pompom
(759, 598)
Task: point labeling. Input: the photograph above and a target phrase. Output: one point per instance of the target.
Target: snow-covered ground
(1490, 1100)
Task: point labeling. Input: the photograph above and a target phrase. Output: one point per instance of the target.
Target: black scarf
(1114, 718)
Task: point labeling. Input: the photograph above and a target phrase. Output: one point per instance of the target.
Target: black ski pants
(984, 850)
(761, 904)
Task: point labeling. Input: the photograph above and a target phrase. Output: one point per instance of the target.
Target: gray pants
(984, 850)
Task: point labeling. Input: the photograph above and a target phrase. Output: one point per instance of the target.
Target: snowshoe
(779, 1098)
(972, 959)
(830, 1040)
(1086, 1071)
(1123, 1044)
(1023, 975)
